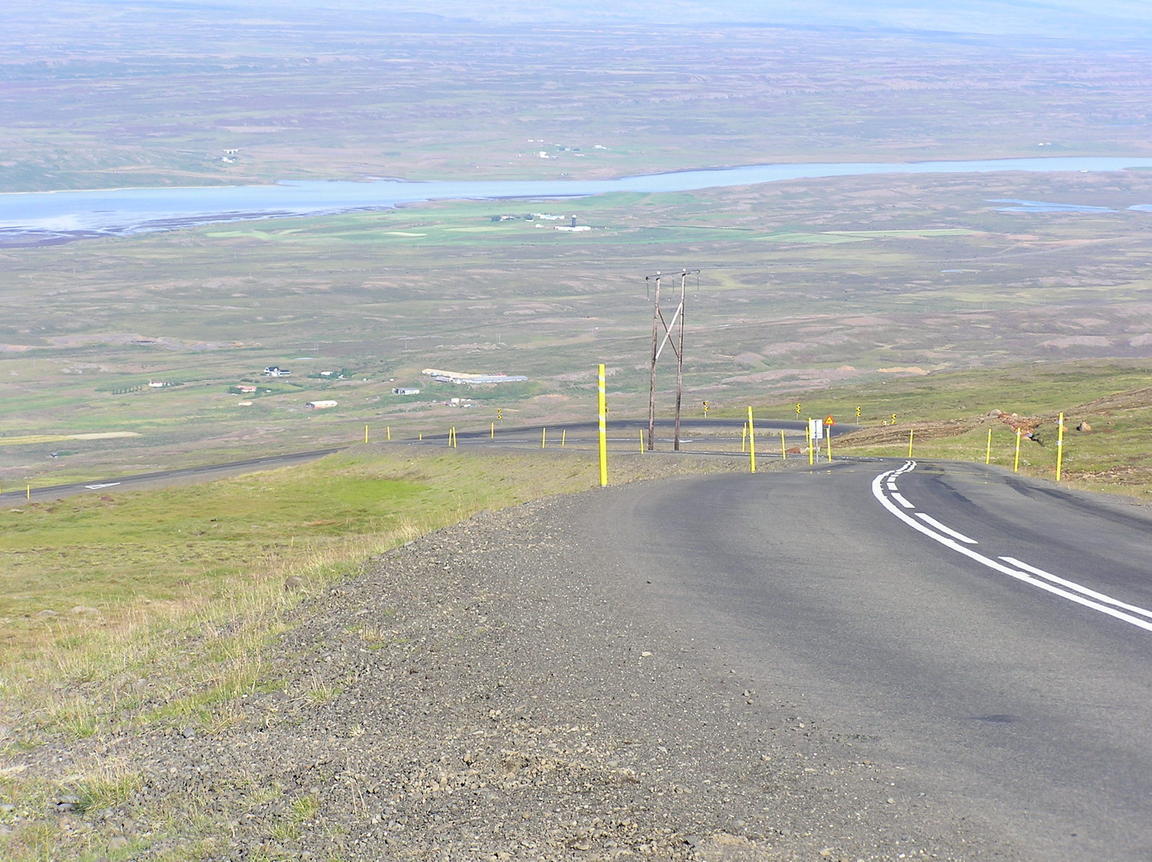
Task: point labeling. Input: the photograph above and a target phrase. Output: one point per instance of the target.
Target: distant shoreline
(29, 219)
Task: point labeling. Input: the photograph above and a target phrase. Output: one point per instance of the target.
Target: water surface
(40, 217)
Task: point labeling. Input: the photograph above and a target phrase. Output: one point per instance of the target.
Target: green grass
(948, 416)
(180, 596)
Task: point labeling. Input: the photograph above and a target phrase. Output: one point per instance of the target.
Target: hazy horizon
(1048, 18)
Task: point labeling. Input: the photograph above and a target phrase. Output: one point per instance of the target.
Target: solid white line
(1072, 585)
(899, 498)
(998, 566)
(928, 519)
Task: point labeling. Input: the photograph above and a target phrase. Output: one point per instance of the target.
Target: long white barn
(463, 377)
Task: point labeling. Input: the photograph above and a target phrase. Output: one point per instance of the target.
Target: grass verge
(949, 416)
(139, 612)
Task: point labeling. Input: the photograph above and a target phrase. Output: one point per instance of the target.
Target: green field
(804, 285)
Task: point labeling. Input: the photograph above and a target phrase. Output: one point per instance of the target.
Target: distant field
(804, 285)
(186, 94)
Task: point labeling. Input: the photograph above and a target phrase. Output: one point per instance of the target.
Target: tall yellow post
(811, 444)
(828, 442)
(28, 491)
(988, 448)
(419, 435)
(603, 410)
(911, 437)
(543, 437)
(641, 441)
(563, 437)
(491, 430)
(1016, 460)
(1060, 449)
(751, 442)
(365, 433)
(388, 432)
(783, 447)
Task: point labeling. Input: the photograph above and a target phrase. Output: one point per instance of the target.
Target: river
(35, 218)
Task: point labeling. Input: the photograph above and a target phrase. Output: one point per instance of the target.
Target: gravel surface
(473, 695)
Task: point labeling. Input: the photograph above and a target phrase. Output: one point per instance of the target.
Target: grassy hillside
(950, 415)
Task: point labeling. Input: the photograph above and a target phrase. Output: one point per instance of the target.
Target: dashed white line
(960, 537)
(1010, 566)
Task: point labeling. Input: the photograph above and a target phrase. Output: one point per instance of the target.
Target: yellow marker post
(642, 441)
(603, 411)
(28, 491)
(563, 437)
(388, 432)
(1060, 449)
(751, 442)
(911, 437)
(811, 444)
(420, 435)
(988, 448)
(491, 430)
(783, 447)
(543, 437)
(1016, 460)
(828, 441)
(365, 433)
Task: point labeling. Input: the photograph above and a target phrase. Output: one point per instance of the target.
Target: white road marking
(899, 498)
(1092, 594)
(928, 519)
(98, 487)
(1077, 593)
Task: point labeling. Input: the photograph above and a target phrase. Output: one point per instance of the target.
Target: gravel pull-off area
(473, 696)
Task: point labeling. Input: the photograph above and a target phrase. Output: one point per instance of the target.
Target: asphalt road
(623, 434)
(999, 655)
(159, 478)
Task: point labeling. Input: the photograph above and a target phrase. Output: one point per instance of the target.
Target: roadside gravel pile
(471, 698)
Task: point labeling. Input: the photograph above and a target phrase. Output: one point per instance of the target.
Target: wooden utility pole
(677, 342)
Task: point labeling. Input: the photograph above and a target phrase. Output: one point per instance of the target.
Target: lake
(35, 218)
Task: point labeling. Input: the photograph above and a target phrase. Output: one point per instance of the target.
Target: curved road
(583, 435)
(987, 634)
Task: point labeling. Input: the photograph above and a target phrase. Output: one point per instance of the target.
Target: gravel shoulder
(476, 694)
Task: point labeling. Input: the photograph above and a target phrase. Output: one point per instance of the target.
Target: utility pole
(677, 326)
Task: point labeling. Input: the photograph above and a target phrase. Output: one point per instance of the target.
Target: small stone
(66, 804)
(188, 732)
